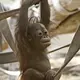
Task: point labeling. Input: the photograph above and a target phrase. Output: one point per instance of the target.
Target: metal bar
(10, 57)
(59, 48)
(6, 14)
(4, 28)
(7, 57)
(74, 47)
(10, 13)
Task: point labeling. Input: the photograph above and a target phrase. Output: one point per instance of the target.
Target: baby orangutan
(32, 39)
